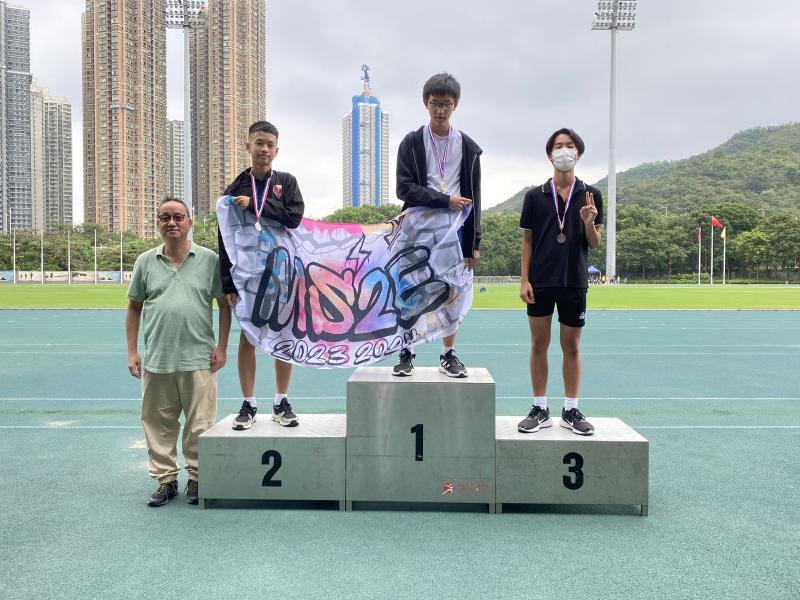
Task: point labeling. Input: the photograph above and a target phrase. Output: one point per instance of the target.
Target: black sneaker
(283, 415)
(573, 419)
(405, 365)
(538, 417)
(246, 417)
(191, 491)
(164, 493)
(451, 366)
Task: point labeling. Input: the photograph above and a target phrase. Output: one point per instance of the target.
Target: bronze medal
(561, 238)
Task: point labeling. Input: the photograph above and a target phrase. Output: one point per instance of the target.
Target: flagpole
(711, 270)
(724, 247)
(95, 256)
(14, 256)
(120, 256)
(41, 255)
(699, 245)
(69, 258)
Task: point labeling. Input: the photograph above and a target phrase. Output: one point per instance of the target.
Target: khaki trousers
(164, 396)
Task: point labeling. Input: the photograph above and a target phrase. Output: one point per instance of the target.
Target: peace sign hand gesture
(589, 210)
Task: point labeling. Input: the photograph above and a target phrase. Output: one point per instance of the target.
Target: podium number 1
(574, 481)
(274, 457)
(417, 430)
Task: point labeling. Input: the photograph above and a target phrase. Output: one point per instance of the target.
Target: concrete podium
(423, 438)
(555, 466)
(270, 462)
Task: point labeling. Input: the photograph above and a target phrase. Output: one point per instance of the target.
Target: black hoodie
(284, 204)
(413, 190)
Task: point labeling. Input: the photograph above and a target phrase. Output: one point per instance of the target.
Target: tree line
(651, 245)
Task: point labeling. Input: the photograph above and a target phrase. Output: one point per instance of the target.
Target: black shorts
(571, 303)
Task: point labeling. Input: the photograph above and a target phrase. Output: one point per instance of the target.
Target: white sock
(278, 398)
(570, 403)
(251, 401)
(540, 401)
(446, 349)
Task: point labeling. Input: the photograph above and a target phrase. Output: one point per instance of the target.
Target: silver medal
(258, 225)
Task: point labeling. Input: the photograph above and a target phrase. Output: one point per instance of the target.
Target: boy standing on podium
(439, 166)
(561, 220)
(274, 195)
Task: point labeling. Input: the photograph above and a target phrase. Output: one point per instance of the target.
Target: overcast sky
(691, 74)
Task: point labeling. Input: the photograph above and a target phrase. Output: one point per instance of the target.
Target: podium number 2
(417, 430)
(574, 481)
(275, 457)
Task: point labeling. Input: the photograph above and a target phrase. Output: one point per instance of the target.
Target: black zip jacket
(413, 190)
(286, 209)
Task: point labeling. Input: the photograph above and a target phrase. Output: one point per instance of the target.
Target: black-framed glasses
(441, 105)
(165, 218)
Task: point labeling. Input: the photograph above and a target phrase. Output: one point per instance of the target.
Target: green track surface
(625, 297)
(716, 393)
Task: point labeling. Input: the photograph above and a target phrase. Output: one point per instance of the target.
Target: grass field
(624, 297)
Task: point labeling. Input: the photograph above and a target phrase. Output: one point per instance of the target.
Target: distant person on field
(173, 288)
(561, 219)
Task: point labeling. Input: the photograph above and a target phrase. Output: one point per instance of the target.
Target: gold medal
(442, 186)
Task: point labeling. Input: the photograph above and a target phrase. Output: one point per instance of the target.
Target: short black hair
(169, 199)
(441, 84)
(571, 133)
(263, 127)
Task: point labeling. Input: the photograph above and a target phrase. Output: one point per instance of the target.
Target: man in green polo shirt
(173, 287)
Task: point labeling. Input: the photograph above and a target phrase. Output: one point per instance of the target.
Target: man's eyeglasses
(164, 218)
(441, 105)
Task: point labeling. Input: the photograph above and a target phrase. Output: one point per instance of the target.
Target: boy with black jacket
(273, 195)
(439, 167)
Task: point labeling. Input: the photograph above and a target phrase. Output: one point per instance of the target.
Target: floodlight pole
(190, 10)
(608, 17)
(611, 223)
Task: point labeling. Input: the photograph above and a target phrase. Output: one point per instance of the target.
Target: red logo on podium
(447, 488)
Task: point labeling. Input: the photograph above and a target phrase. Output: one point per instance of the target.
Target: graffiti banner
(340, 295)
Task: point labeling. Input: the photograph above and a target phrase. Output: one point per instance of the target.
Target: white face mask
(564, 158)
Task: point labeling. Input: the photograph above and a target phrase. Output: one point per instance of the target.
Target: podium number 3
(275, 457)
(574, 481)
(417, 430)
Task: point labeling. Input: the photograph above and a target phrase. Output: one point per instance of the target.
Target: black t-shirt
(554, 264)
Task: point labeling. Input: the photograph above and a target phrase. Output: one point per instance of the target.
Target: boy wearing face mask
(561, 220)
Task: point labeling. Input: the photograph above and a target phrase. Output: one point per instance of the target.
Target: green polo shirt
(178, 308)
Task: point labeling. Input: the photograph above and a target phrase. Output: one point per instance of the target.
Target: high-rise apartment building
(365, 150)
(229, 93)
(124, 113)
(175, 159)
(15, 118)
(51, 160)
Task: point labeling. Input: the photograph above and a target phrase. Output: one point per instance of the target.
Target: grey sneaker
(451, 366)
(538, 417)
(573, 419)
(164, 493)
(192, 492)
(246, 417)
(405, 365)
(283, 415)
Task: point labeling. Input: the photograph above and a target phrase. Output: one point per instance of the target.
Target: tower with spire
(365, 149)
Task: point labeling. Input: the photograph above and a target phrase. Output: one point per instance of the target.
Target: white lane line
(238, 398)
(718, 427)
(637, 428)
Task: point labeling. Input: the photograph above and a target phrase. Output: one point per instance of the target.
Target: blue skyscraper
(365, 150)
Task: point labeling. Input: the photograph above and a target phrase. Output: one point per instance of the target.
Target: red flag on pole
(699, 233)
(715, 222)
